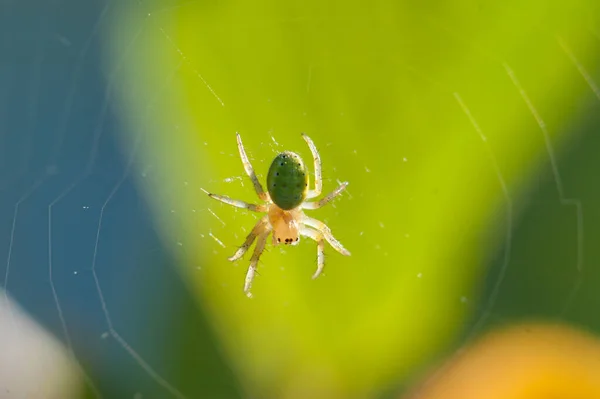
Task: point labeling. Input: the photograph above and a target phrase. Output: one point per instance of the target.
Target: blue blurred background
(58, 146)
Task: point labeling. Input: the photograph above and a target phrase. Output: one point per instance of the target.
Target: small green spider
(287, 183)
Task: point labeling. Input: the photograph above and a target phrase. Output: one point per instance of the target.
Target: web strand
(111, 329)
(584, 73)
(98, 131)
(81, 177)
(23, 198)
(594, 87)
(509, 221)
(184, 57)
(161, 381)
(569, 202)
(78, 69)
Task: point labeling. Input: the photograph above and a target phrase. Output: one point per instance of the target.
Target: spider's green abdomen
(287, 181)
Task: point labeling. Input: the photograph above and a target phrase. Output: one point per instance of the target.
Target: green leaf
(436, 113)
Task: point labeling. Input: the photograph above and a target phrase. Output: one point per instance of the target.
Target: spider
(287, 184)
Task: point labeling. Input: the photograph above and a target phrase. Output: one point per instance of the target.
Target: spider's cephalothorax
(287, 185)
(285, 225)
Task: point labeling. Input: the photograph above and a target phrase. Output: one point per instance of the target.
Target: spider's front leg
(250, 171)
(317, 161)
(237, 203)
(260, 227)
(258, 250)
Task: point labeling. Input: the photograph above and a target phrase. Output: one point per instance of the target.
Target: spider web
(82, 255)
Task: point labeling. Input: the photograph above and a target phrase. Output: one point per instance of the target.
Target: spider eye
(278, 239)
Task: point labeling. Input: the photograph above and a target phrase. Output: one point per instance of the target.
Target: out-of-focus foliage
(378, 86)
(527, 361)
(33, 362)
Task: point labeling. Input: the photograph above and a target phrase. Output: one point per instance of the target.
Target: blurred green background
(468, 131)
(432, 201)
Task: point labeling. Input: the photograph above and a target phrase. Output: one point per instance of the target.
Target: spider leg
(326, 231)
(325, 200)
(318, 237)
(238, 203)
(258, 250)
(317, 159)
(250, 171)
(260, 227)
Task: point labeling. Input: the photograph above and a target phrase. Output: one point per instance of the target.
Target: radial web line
(62, 129)
(82, 176)
(185, 58)
(579, 67)
(111, 329)
(509, 218)
(23, 198)
(572, 202)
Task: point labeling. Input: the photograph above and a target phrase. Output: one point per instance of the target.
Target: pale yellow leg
(325, 200)
(258, 250)
(238, 203)
(326, 231)
(260, 227)
(318, 237)
(250, 171)
(317, 160)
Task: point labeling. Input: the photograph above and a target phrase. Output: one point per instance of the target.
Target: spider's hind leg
(326, 231)
(318, 237)
(258, 250)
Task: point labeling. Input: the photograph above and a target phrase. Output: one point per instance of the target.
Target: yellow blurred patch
(527, 361)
